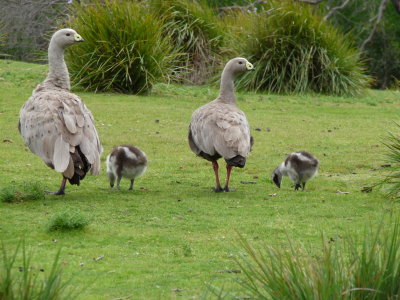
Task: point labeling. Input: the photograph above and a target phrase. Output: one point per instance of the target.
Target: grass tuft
(294, 50)
(393, 157)
(124, 49)
(26, 191)
(68, 220)
(27, 282)
(197, 33)
(347, 269)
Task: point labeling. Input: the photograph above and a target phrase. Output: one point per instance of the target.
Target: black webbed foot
(58, 193)
(227, 189)
(217, 190)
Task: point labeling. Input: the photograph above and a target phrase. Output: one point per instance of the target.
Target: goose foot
(58, 193)
(226, 189)
(217, 190)
(61, 190)
(297, 186)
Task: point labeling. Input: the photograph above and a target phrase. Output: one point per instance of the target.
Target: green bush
(392, 180)
(197, 33)
(293, 50)
(68, 220)
(124, 48)
(345, 269)
(26, 282)
(22, 192)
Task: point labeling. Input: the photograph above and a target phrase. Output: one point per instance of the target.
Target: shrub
(293, 50)
(343, 270)
(124, 48)
(197, 33)
(68, 220)
(392, 180)
(22, 192)
(29, 282)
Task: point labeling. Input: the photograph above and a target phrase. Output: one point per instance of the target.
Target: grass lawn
(171, 236)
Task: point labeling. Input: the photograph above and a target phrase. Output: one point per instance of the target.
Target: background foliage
(197, 33)
(28, 24)
(382, 54)
(295, 51)
(125, 49)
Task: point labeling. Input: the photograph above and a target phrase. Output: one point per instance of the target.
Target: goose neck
(227, 88)
(58, 72)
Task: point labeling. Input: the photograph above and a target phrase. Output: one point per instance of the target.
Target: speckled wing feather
(53, 123)
(222, 128)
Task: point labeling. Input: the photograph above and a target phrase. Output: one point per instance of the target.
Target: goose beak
(78, 38)
(249, 66)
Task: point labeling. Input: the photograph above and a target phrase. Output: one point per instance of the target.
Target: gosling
(125, 161)
(299, 167)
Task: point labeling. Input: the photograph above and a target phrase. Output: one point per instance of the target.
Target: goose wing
(53, 123)
(221, 128)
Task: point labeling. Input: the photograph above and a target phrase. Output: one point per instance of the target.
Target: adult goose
(56, 125)
(220, 129)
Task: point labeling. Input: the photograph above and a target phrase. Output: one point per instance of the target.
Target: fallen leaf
(176, 290)
(7, 141)
(98, 258)
(273, 195)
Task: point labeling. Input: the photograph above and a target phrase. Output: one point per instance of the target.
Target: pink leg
(228, 176)
(217, 183)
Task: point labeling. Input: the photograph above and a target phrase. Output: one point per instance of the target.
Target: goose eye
(240, 62)
(68, 34)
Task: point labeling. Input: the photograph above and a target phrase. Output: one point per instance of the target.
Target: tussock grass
(124, 49)
(68, 220)
(197, 33)
(392, 180)
(345, 269)
(21, 280)
(293, 50)
(27, 191)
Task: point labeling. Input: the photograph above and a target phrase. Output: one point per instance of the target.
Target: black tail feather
(237, 161)
(81, 166)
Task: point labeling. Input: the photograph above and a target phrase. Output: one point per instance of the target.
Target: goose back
(53, 123)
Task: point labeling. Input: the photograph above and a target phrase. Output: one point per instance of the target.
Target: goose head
(66, 37)
(239, 65)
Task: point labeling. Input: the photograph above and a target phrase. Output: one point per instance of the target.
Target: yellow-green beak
(78, 38)
(249, 66)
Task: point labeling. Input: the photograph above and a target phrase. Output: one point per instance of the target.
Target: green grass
(171, 235)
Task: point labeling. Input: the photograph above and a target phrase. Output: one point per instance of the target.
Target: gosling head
(276, 176)
(239, 65)
(65, 37)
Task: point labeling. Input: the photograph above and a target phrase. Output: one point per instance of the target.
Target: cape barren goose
(220, 129)
(56, 125)
(298, 166)
(125, 161)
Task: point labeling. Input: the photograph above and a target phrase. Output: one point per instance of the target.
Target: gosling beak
(78, 38)
(249, 67)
